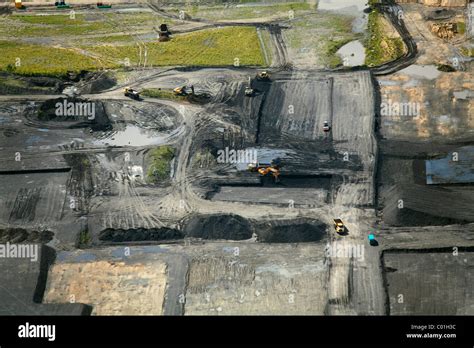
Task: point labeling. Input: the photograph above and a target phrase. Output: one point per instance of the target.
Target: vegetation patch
(159, 167)
(380, 48)
(29, 59)
(221, 47)
(469, 52)
(160, 93)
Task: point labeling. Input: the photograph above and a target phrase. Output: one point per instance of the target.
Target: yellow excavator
(264, 169)
(183, 91)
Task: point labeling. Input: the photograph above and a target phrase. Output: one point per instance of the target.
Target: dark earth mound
(139, 234)
(20, 235)
(218, 226)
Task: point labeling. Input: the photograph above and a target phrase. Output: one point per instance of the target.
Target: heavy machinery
(102, 5)
(249, 91)
(372, 240)
(19, 5)
(264, 169)
(164, 33)
(183, 91)
(264, 76)
(131, 93)
(61, 4)
(339, 226)
(326, 127)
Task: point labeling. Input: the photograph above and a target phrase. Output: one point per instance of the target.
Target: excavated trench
(291, 231)
(70, 113)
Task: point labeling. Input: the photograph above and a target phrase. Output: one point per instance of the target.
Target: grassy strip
(39, 60)
(224, 46)
(203, 48)
(246, 12)
(469, 52)
(57, 25)
(160, 93)
(461, 26)
(380, 48)
(159, 168)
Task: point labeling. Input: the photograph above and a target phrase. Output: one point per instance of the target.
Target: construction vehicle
(372, 240)
(249, 91)
(326, 127)
(19, 5)
(61, 4)
(164, 33)
(102, 5)
(264, 76)
(131, 93)
(264, 169)
(339, 226)
(183, 91)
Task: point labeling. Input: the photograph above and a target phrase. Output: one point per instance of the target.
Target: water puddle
(429, 72)
(352, 53)
(348, 7)
(136, 136)
(455, 168)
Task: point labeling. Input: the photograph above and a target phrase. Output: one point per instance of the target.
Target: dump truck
(339, 226)
(131, 93)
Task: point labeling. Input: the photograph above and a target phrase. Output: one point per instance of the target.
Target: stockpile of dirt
(20, 235)
(218, 226)
(291, 231)
(139, 234)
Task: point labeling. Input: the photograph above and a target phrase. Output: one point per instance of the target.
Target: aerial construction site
(237, 158)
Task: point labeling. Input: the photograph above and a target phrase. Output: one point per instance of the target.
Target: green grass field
(224, 47)
(29, 59)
